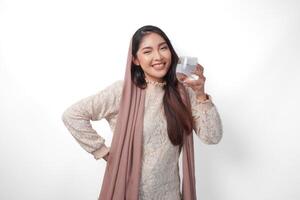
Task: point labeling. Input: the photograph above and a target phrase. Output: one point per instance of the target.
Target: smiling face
(154, 57)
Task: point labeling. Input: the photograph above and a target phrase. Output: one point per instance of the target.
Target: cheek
(145, 65)
(168, 55)
(144, 60)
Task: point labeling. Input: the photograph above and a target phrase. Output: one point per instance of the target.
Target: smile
(158, 65)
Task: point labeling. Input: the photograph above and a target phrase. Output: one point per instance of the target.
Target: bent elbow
(213, 138)
(65, 116)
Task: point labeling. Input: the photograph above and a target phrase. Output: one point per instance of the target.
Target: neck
(156, 83)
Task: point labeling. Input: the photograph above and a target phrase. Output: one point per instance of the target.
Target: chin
(160, 75)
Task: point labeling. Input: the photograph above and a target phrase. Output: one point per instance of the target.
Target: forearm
(77, 118)
(207, 121)
(81, 129)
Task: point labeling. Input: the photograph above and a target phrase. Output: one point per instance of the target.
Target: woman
(152, 116)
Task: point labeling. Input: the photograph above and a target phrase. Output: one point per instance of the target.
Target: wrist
(101, 152)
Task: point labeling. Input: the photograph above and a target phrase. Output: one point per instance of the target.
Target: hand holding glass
(185, 68)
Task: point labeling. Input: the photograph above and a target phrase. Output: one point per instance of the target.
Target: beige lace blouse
(160, 171)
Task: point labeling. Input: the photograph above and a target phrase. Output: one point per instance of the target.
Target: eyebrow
(158, 45)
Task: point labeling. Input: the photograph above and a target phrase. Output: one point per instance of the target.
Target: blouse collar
(156, 83)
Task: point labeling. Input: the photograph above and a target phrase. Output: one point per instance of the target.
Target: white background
(53, 53)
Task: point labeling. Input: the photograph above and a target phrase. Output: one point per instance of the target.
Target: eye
(146, 52)
(165, 47)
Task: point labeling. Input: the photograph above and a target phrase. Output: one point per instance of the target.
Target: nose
(157, 55)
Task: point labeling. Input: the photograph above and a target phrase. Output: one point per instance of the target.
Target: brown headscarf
(123, 169)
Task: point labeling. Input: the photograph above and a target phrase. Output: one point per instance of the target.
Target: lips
(158, 65)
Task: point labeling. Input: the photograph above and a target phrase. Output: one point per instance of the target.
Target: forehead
(151, 40)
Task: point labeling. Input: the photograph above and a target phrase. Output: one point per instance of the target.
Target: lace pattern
(160, 178)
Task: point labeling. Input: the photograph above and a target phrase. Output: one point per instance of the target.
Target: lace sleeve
(207, 121)
(76, 118)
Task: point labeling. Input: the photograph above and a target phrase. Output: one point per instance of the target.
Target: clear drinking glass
(186, 66)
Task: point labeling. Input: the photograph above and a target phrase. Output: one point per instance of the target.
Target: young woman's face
(154, 56)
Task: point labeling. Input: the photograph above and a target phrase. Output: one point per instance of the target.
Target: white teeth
(159, 65)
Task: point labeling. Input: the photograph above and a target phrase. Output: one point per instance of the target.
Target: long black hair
(178, 114)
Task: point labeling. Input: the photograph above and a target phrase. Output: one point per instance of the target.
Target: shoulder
(110, 91)
(116, 84)
(115, 87)
(114, 90)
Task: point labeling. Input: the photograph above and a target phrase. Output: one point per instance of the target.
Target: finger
(199, 82)
(198, 69)
(200, 66)
(181, 76)
(198, 73)
(193, 82)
